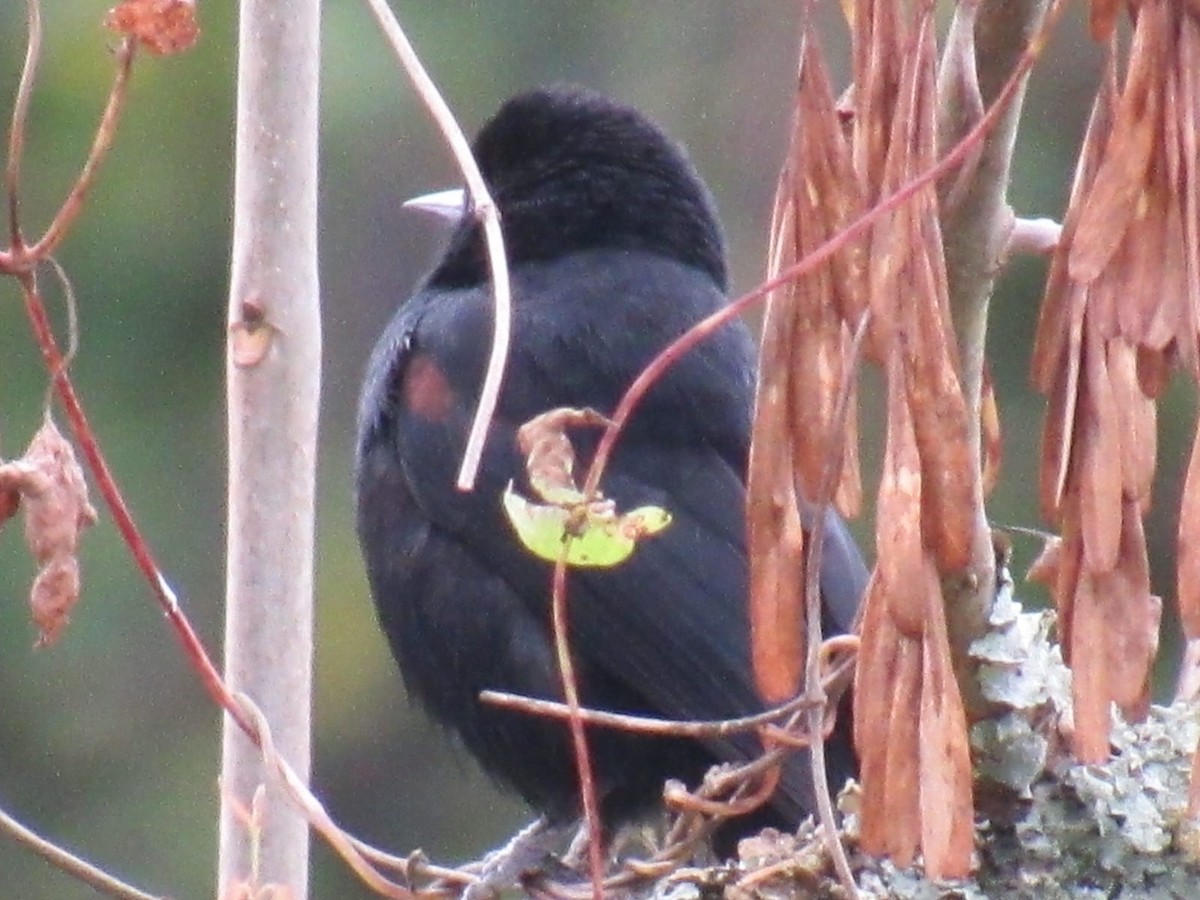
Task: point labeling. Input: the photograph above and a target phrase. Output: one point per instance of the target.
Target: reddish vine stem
(699, 728)
(106, 131)
(583, 759)
(19, 259)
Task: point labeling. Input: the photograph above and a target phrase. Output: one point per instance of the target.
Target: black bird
(615, 249)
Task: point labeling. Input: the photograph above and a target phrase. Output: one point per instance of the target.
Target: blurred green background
(107, 743)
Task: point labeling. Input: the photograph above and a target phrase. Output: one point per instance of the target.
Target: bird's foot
(527, 851)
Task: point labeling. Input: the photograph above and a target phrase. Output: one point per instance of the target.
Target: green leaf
(595, 534)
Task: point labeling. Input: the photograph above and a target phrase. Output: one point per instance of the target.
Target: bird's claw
(527, 851)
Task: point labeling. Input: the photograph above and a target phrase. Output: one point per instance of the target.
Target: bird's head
(572, 170)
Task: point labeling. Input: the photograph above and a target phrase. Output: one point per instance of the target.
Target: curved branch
(485, 211)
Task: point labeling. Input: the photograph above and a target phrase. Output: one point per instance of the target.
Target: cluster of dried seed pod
(1121, 310)
(910, 722)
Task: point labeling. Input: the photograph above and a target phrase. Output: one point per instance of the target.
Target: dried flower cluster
(161, 26)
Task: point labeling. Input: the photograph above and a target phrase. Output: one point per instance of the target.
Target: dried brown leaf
(900, 552)
(1163, 282)
(53, 596)
(949, 477)
(1067, 578)
(929, 469)
(549, 455)
(55, 501)
(1133, 634)
(947, 811)
(1153, 370)
(1061, 314)
(1140, 274)
(1187, 556)
(816, 197)
(818, 369)
(1102, 18)
(1103, 300)
(1091, 687)
(801, 375)
(989, 429)
(1136, 423)
(1063, 302)
(775, 538)
(1056, 367)
(880, 48)
(1113, 638)
(949, 498)
(874, 675)
(923, 332)
(1045, 568)
(1057, 434)
(900, 808)
(848, 497)
(1114, 197)
(1099, 460)
(826, 189)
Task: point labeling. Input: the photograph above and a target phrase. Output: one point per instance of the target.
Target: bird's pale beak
(444, 204)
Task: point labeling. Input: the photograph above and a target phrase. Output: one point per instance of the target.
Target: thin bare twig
(20, 115)
(664, 727)
(583, 761)
(697, 813)
(68, 862)
(415, 865)
(72, 325)
(72, 206)
(315, 811)
(485, 211)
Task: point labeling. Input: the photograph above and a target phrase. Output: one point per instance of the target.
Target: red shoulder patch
(426, 391)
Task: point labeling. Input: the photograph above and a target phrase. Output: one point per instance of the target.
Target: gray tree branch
(273, 371)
